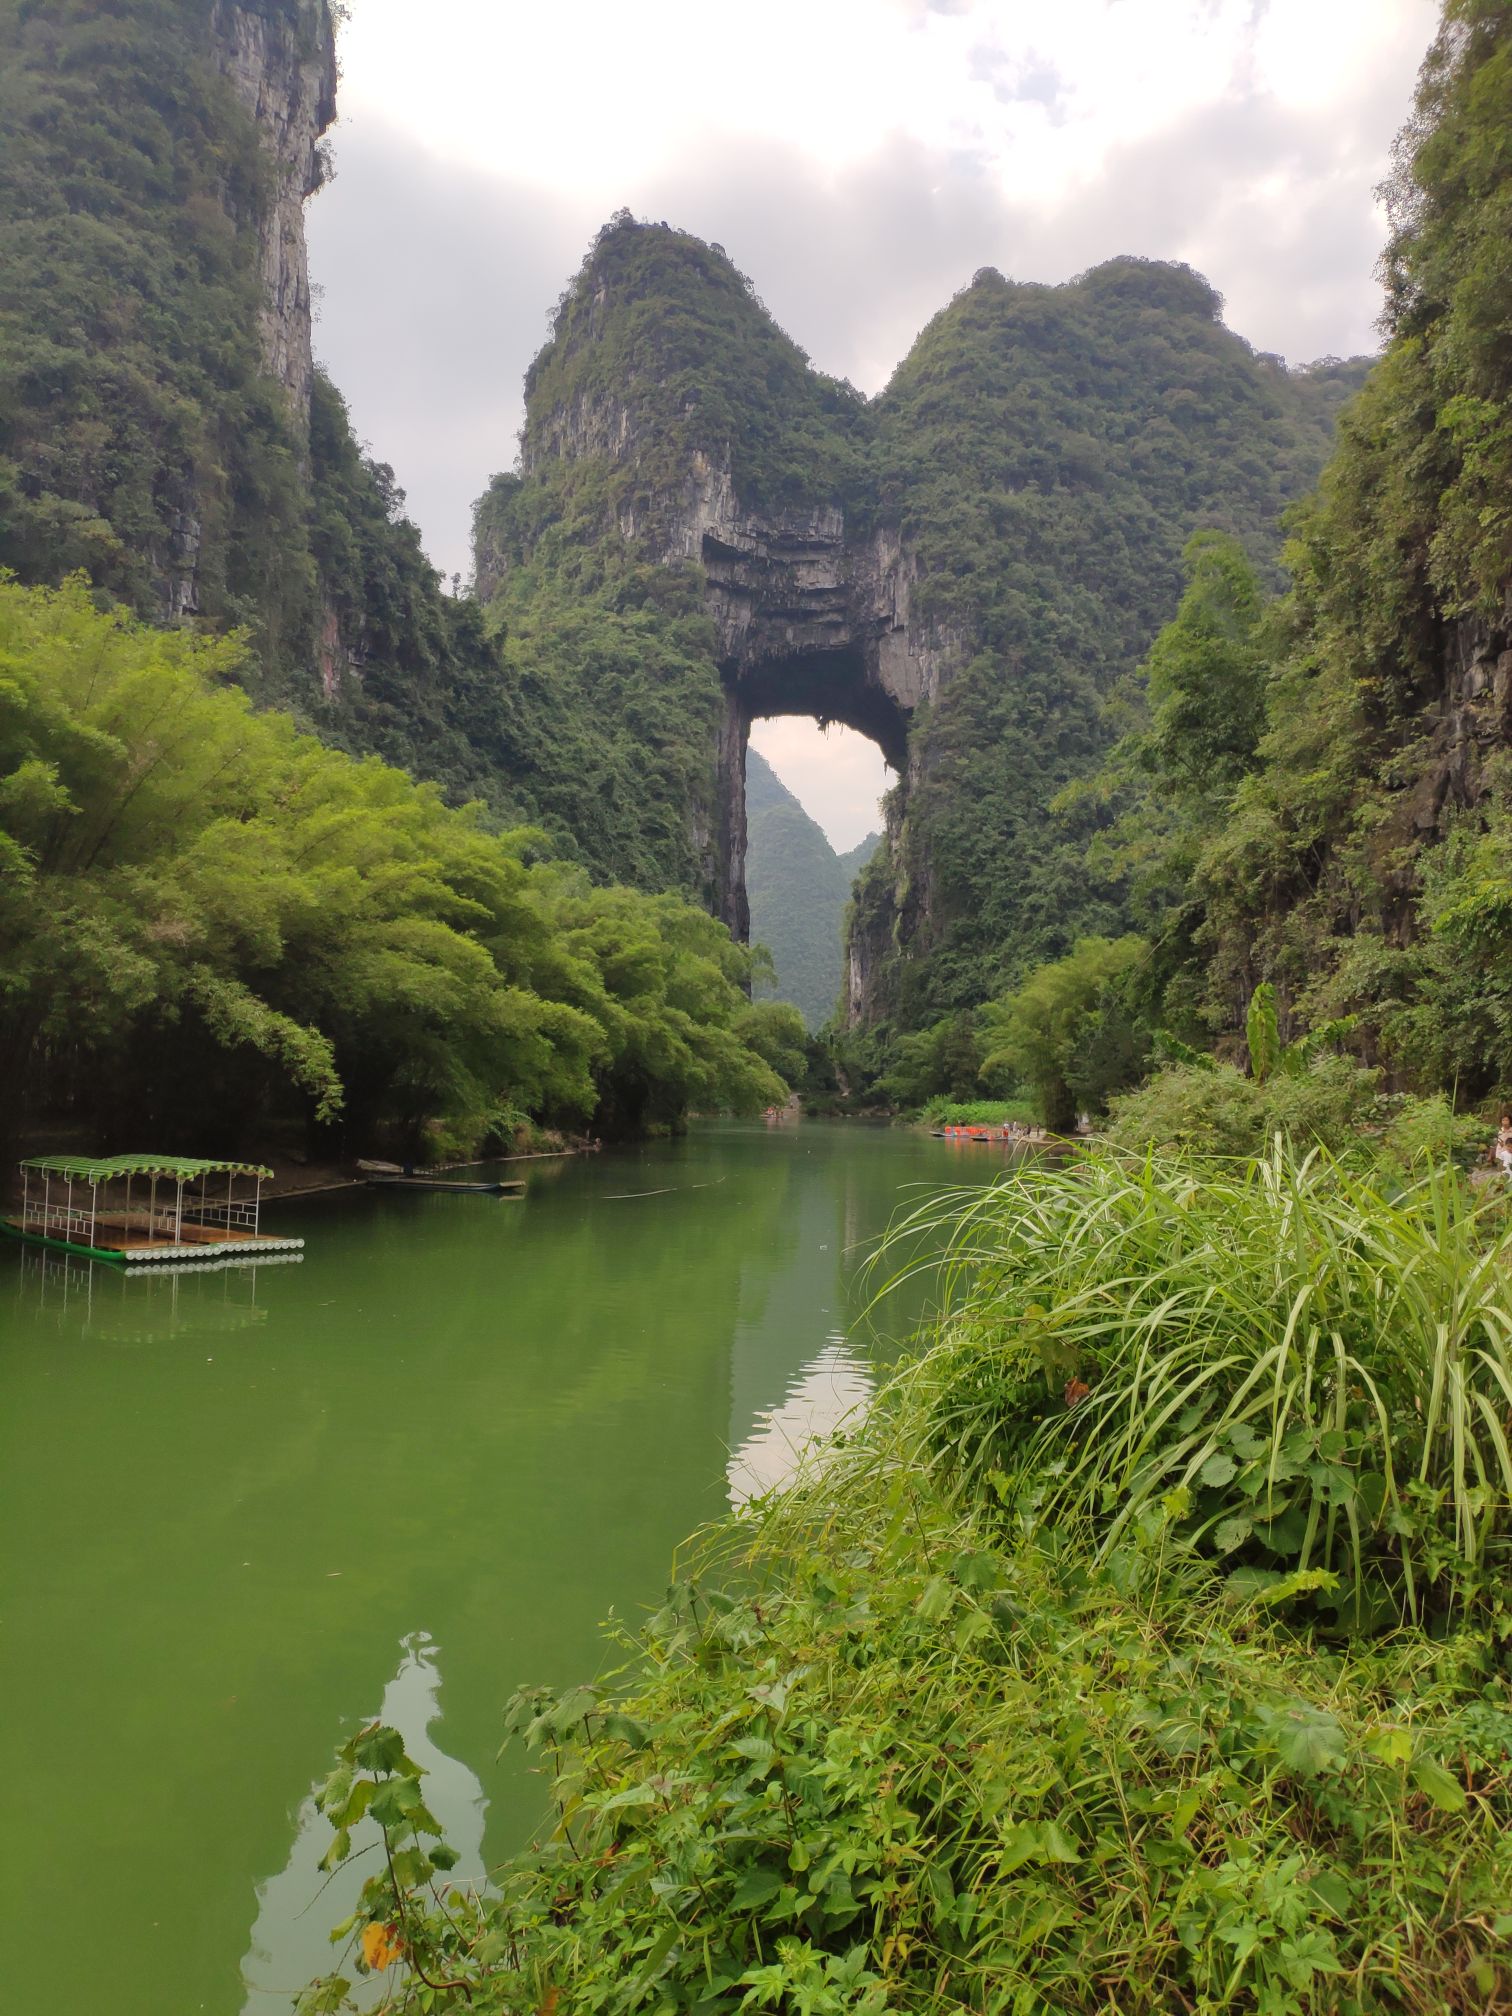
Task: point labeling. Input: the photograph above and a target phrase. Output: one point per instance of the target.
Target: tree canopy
(209, 915)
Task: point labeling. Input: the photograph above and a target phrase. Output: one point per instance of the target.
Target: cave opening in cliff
(828, 688)
(814, 740)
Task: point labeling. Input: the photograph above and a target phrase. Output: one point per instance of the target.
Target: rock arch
(813, 622)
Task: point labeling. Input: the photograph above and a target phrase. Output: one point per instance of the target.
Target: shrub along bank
(1142, 1651)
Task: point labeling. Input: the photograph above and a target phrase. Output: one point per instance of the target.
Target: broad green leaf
(377, 1748)
(1446, 1792)
(1310, 1740)
(1391, 1745)
(1231, 1533)
(935, 1600)
(754, 1888)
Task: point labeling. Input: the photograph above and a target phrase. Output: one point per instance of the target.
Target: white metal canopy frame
(97, 1213)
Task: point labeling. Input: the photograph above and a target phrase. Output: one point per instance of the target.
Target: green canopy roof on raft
(112, 1168)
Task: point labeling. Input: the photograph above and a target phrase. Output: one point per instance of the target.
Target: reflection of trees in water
(297, 1907)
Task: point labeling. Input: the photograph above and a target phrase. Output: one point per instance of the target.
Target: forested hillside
(1366, 866)
(1048, 451)
(799, 887)
(1038, 461)
(1311, 792)
(162, 426)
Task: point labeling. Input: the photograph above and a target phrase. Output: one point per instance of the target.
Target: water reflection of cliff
(289, 1943)
(841, 1190)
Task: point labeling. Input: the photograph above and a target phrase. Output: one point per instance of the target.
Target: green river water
(244, 1510)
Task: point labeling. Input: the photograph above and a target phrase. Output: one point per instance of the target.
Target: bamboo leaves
(224, 914)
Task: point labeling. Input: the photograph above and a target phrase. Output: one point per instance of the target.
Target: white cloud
(836, 775)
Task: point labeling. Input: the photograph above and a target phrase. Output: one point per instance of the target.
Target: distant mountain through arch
(798, 887)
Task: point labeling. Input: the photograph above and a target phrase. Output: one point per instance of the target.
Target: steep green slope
(1364, 866)
(1047, 451)
(662, 332)
(1312, 792)
(140, 436)
(799, 887)
(605, 719)
(160, 426)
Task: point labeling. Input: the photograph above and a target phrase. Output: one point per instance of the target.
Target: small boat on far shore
(508, 1187)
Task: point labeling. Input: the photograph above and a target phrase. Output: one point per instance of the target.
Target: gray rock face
(812, 620)
(283, 68)
(1471, 723)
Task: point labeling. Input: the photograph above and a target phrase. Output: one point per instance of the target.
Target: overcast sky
(859, 159)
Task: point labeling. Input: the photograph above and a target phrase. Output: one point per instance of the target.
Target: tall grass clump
(1317, 1358)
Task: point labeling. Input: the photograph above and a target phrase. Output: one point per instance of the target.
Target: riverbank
(1111, 1664)
(295, 1179)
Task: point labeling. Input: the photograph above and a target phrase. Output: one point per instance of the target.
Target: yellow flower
(380, 1945)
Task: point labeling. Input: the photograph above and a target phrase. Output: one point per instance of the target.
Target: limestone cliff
(164, 427)
(155, 330)
(958, 569)
(282, 65)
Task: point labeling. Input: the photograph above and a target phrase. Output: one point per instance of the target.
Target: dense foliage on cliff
(1382, 739)
(1045, 451)
(142, 439)
(605, 718)
(1312, 793)
(1048, 451)
(139, 437)
(799, 887)
(212, 921)
(661, 329)
(1061, 1683)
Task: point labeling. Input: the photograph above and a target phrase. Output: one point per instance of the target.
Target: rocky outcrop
(281, 62)
(811, 619)
(797, 599)
(1469, 725)
(815, 622)
(1475, 721)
